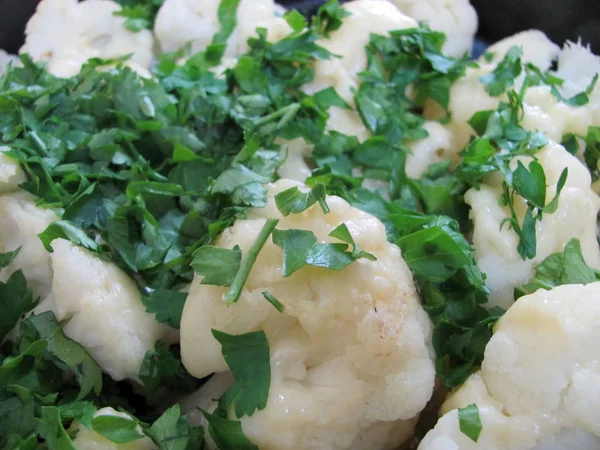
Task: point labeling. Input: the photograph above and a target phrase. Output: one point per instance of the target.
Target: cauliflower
(5, 60)
(11, 174)
(496, 249)
(433, 149)
(349, 42)
(456, 18)
(90, 440)
(104, 310)
(350, 355)
(539, 386)
(66, 34)
(20, 223)
(180, 22)
(298, 150)
(101, 309)
(542, 111)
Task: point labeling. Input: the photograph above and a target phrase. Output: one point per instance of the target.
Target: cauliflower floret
(5, 60)
(102, 309)
(66, 34)
(298, 150)
(539, 377)
(496, 249)
(456, 18)
(20, 223)
(90, 440)
(433, 149)
(349, 42)
(537, 48)
(348, 355)
(11, 174)
(102, 305)
(180, 22)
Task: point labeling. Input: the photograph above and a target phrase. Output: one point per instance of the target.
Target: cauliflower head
(11, 174)
(101, 308)
(180, 22)
(90, 440)
(456, 18)
(350, 354)
(496, 249)
(349, 42)
(542, 111)
(435, 148)
(66, 34)
(20, 223)
(539, 386)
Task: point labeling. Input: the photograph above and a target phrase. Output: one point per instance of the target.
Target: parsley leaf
(171, 431)
(470, 422)
(343, 234)
(65, 353)
(52, 430)
(592, 151)
(8, 257)
(16, 299)
(218, 265)
(228, 434)
(162, 367)
(64, 229)
(566, 267)
(505, 73)
(294, 201)
(117, 429)
(247, 356)
(167, 304)
(329, 17)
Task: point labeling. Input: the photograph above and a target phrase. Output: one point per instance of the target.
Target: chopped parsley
(470, 422)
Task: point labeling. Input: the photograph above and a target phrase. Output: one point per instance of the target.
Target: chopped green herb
(273, 301)
(218, 265)
(505, 73)
(470, 422)
(294, 201)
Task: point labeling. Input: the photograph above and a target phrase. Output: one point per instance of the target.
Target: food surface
(227, 226)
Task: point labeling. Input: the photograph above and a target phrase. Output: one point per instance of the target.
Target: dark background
(560, 19)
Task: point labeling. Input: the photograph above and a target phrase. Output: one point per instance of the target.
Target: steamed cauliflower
(349, 355)
(496, 249)
(539, 384)
(542, 111)
(102, 310)
(456, 18)
(349, 42)
(180, 22)
(101, 304)
(11, 174)
(90, 440)
(20, 223)
(66, 34)
(435, 148)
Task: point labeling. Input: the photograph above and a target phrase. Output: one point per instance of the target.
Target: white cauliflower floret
(542, 111)
(66, 34)
(433, 149)
(539, 387)
(496, 249)
(102, 309)
(90, 440)
(102, 305)
(180, 22)
(537, 48)
(20, 223)
(11, 174)
(456, 18)
(6, 59)
(348, 355)
(349, 42)
(298, 150)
